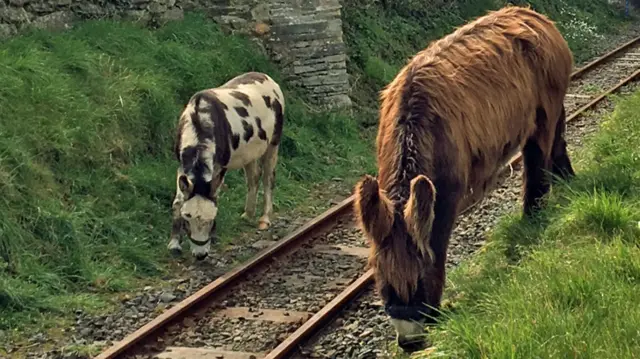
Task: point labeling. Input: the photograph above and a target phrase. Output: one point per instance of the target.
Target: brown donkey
(449, 121)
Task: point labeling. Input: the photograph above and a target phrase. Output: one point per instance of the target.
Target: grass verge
(381, 35)
(562, 285)
(86, 170)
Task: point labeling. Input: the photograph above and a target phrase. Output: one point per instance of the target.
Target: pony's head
(199, 213)
(401, 257)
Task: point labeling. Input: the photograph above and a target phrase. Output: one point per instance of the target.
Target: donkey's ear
(373, 210)
(418, 212)
(184, 184)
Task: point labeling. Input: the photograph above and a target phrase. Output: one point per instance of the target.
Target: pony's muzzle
(201, 255)
(200, 249)
(408, 322)
(411, 345)
(410, 334)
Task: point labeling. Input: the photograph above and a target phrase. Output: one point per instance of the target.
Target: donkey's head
(401, 256)
(199, 211)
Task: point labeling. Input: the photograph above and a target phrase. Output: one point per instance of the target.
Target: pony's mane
(438, 100)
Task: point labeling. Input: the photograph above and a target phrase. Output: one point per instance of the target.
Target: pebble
(167, 297)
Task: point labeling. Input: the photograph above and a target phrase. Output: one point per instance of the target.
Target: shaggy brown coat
(449, 121)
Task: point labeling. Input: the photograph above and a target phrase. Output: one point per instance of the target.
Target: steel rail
(319, 224)
(313, 324)
(579, 72)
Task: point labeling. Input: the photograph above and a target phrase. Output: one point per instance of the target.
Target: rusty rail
(318, 224)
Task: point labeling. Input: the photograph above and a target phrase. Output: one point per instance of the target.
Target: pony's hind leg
(252, 176)
(269, 161)
(561, 164)
(536, 162)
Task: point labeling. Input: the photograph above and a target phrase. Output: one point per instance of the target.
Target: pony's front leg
(177, 226)
(252, 175)
(269, 162)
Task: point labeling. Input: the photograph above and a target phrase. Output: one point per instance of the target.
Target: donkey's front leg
(252, 175)
(269, 162)
(177, 226)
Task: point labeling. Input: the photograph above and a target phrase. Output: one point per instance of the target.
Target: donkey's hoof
(264, 225)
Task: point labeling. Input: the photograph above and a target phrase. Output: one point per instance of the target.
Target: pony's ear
(418, 212)
(217, 182)
(184, 184)
(373, 210)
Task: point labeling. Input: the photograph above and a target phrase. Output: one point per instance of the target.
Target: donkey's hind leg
(252, 175)
(536, 164)
(269, 161)
(561, 164)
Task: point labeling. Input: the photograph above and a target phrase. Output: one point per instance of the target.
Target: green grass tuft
(562, 285)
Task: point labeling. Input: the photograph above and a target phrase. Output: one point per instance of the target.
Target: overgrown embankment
(565, 284)
(87, 173)
(381, 35)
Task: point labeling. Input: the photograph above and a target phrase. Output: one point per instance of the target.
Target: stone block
(260, 12)
(89, 10)
(18, 2)
(175, 14)
(314, 68)
(156, 7)
(7, 30)
(139, 16)
(14, 15)
(332, 101)
(292, 30)
(60, 3)
(319, 52)
(40, 7)
(340, 58)
(59, 20)
(234, 22)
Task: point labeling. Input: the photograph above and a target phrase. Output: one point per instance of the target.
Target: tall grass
(86, 169)
(382, 35)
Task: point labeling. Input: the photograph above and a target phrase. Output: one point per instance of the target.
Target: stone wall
(303, 36)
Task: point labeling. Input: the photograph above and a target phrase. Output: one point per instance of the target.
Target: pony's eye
(188, 215)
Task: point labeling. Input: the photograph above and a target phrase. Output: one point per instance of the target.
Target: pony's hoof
(264, 225)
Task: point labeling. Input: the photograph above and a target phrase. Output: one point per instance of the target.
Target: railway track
(274, 305)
